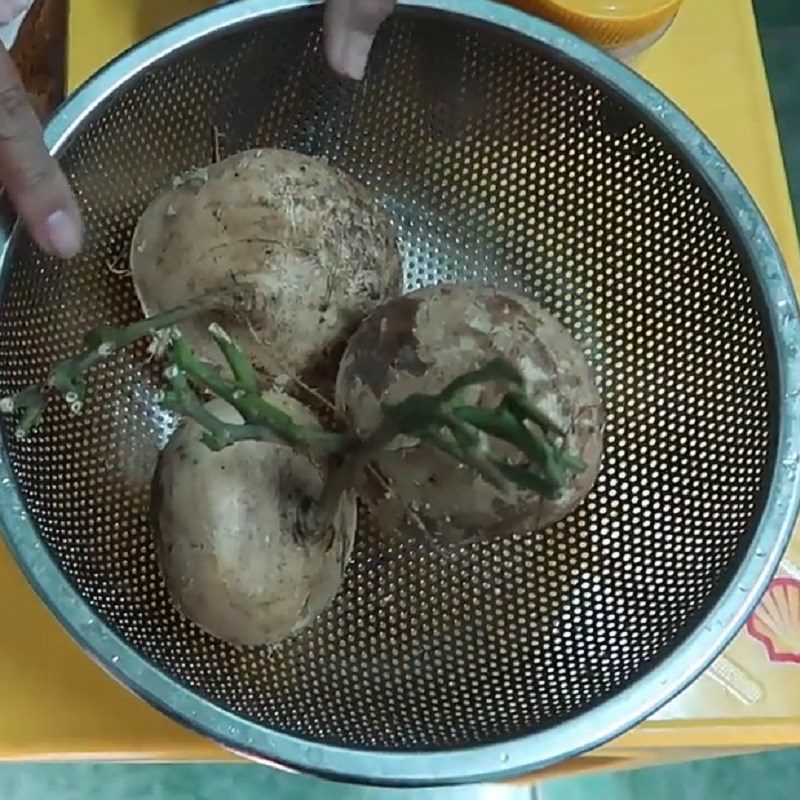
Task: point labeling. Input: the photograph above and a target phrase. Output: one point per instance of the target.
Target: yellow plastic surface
(608, 23)
(56, 703)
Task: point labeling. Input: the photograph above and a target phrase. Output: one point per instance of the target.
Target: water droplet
(742, 587)
(114, 659)
(785, 312)
(504, 756)
(791, 462)
(760, 552)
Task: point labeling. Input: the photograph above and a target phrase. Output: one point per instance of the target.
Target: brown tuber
(239, 551)
(312, 241)
(419, 343)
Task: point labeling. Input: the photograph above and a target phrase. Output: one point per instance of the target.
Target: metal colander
(504, 150)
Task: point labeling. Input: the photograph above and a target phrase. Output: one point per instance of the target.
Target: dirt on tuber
(421, 342)
(311, 239)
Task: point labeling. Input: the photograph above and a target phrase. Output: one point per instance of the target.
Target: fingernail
(63, 234)
(355, 53)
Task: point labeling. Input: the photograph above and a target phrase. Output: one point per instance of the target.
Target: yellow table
(56, 703)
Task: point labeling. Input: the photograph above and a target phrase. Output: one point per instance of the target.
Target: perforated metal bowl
(506, 150)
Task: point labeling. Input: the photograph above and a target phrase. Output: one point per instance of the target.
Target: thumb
(350, 28)
(35, 184)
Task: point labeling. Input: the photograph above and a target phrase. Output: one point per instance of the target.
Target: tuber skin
(418, 344)
(310, 238)
(238, 554)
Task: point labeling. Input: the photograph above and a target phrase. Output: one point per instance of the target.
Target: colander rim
(593, 727)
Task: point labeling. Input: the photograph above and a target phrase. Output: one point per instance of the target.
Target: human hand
(350, 28)
(34, 182)
(11, 9)
(36, 185)
(31, 176)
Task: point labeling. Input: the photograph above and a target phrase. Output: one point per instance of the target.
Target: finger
(35, 184)
(11, 9)
(350, 28)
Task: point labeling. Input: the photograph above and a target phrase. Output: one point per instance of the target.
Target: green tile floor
(769, 776)
(205, 782)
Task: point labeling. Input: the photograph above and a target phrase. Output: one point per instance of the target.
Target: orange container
(623, 26)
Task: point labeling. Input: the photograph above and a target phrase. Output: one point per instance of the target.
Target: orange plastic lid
(612, 24)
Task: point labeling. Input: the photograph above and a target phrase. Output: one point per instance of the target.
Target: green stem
(257, 413)
(240, 365)
(184, 401)
(355, 455)
(522, 408)
(442, 420)
(219, 434)
(485, 468)
(466, 439)
(524, 478)
(573, 463)
(504, 426)
(101, 342)
(498, 369)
